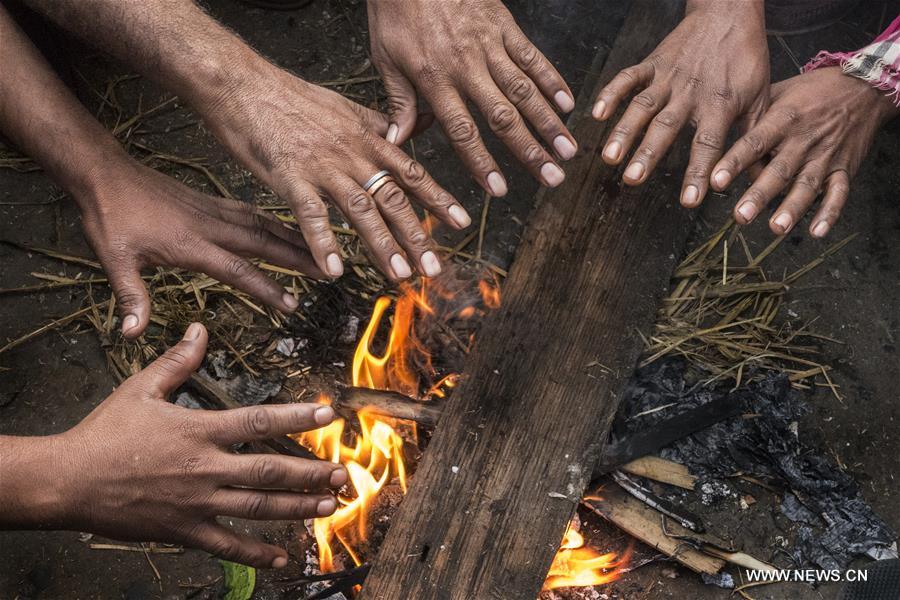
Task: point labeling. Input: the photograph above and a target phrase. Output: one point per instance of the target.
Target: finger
(311, 214)
(166, 373)
(273, 471)
(375, 121)
(240, 273)
(225, 543)
(773, 179)
(132, 298)
(458, 125)
(706, 149)
(404, 224)
(271, 506)
(257, 242)
(526, 97)
(804, 190)
(401, 106)
(530, 60)
(362, 211)
(837, 189)
(417, 182)
(640, 111)
(621, 86)
(749, 149)
(255, 423)
(506, 122)
(661, 134)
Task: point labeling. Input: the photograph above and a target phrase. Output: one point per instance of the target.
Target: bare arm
(302, 140)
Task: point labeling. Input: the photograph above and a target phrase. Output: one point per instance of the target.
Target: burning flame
(374, 456)
(577, 565)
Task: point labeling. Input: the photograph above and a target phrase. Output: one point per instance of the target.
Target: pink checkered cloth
(878, 63)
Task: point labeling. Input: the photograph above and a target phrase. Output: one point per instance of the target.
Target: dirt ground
(49, 384)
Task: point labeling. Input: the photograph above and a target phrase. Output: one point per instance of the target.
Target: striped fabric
(878, 63)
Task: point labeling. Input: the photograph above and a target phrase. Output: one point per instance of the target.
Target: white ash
(350, 331)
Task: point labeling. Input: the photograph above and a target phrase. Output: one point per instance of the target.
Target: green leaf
(239, 580)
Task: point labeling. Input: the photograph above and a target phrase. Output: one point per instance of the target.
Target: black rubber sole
(793, 17)
(882, 582)
(279, 4)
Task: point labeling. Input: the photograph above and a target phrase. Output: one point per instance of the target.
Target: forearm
(172, 42)
(44, 119)
(31, 494)
(754, 9)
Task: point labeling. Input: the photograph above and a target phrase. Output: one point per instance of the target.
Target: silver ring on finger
(380, 184)
(380, 175)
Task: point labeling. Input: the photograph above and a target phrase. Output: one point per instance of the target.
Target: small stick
(387, 404)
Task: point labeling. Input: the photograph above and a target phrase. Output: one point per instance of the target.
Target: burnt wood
(519, 438)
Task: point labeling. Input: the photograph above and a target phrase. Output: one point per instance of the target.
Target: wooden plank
(644, 523)
(518, 440)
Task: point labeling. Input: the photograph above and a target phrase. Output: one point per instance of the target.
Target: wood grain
(518, 440)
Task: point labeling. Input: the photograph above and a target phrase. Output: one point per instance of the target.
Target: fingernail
(721, 178)
(820, 229)
(392, 132)
(334, 264)
(290, 301)
(279, 563)
(747, 210)
(690, 195)
(459, 215)
(400, 266)
(323, 415)
(496, 184)
(564, 147)
(612, 151)
(326, 507)
(783, 221)
(430, 264)
(635, 171)
(564, 101)
(599, 110)
(129, 323)
(338, 477)
(552, 174)
(192, 333)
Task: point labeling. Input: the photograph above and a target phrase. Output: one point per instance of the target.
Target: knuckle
(310, 206)
(414, 173)
(645, 100)
(723, 95)
(534, 155)
(268, 472)
(503, 117)
(418, 237)
(781, 169)
(461, 129)
(755, 143)
(360, 203)
(709, 140)
(258, 422)
(528, 54)
(191, 465)
(395, 200)
(239, 268)
(755, 196)
(223, 546)
(646, 152)
(256, 506)
(384, 243)
(666, 119)
(810, 180)
(519, 90)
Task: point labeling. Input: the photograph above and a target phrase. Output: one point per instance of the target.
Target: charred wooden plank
(519, 439)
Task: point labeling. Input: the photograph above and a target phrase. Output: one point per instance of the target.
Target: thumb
(132, 298)
(166, 373)
(401, 107)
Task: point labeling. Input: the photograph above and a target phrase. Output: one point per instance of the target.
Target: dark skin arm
(134, 217)
(711, 72)
(452, 51)
(815, 135)
(301, 140)
(139, 468)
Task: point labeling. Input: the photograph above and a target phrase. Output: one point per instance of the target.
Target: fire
(374, 456)
(577, 565)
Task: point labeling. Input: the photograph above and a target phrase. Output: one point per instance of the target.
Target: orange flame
(577, 565)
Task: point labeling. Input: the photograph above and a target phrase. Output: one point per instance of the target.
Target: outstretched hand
(711, 72)
(142, 218)
(453, 51)
(139, 468)
(816, 134)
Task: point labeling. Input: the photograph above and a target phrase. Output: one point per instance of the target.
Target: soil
(49, 384)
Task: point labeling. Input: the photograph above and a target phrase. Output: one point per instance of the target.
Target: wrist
(753, 10)
(33, 483)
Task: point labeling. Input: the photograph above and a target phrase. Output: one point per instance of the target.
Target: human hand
(818, 130)
(451, 51)
(139, 468)
(303, 140)
(137, 217)
(711, 71)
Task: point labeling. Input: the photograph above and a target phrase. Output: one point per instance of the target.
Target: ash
(834, 522)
